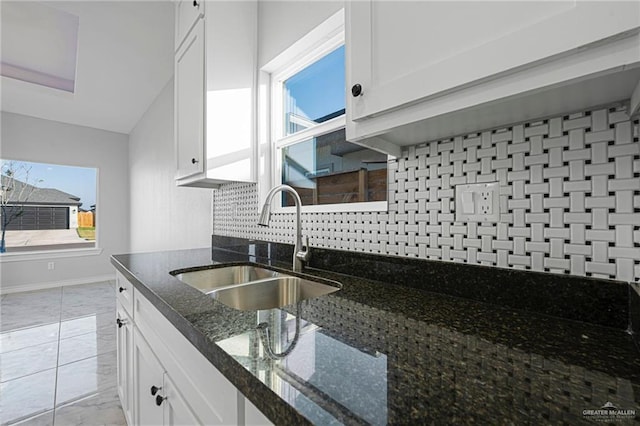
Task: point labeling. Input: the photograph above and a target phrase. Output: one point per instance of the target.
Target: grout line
(87, 357)
(55, 389)
(27, 375)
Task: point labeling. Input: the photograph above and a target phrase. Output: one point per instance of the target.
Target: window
(47, 207)
(311, 153)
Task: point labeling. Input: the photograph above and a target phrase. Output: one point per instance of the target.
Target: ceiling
(124, 59)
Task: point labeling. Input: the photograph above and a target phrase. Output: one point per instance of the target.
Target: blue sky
(319, 89)
(78, 181)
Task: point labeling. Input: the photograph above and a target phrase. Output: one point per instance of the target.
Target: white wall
(282, 23)
(163, 216)
(33, 139)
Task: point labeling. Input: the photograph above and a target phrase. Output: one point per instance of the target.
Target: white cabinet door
(253, 416)
(147, 373)
(176, 410)
(231, 30)
(189, 101)
(402, 52)
(187, 14)
(124, 344)
(215, 97)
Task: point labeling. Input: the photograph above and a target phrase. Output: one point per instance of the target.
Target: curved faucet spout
(300, 253)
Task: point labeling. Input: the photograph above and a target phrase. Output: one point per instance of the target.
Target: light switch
(468, 207)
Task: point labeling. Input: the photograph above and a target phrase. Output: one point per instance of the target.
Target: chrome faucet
(300, 253)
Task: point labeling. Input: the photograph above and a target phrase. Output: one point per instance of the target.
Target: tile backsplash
(569, 200)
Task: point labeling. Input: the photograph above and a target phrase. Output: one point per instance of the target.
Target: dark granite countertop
(381, 353)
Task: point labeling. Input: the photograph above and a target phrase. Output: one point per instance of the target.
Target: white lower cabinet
(253, 416)
(164, 380)
(176, 411)
(147, 377)
(158, 401)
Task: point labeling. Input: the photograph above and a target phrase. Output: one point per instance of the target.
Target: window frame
(321, 41)
(62, 252)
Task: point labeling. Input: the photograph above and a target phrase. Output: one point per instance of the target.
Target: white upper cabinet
(189, 101)
(231, 55)
(215, 97)
(187, 14)
(422, 67)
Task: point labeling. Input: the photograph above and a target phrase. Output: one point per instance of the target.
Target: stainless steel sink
(271, 293)
(208, 280)
(248, 287)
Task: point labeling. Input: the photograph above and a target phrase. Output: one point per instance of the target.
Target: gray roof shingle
(48, 196)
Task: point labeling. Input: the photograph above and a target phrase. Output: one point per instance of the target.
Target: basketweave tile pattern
(569, 200)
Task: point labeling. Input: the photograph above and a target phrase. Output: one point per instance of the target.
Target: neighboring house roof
(47, 196)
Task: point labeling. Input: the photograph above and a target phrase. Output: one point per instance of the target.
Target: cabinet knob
(194, 161)
(154, 390)
(121, 289)
(120, 322)
(159, 400)
(356, 90)
(195, 3)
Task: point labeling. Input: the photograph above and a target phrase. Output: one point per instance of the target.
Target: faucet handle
(304, 253)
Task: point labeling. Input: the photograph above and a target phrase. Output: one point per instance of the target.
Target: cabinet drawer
(124, 293)
(187, 14)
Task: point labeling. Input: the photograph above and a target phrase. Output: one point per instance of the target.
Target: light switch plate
(486, 202)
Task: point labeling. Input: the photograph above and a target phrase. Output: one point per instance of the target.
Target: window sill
(48, 254)
(371, 206)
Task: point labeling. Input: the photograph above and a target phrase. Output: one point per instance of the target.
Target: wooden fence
(344, 187)
(85, 220)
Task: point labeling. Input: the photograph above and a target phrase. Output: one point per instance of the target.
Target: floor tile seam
(46, 342)
(87, 284)
(96, 331)
(28, 417)
(30, 374)
(31, 292)
(90, 314)
(82, 398)
(55, 384)
(88, 299)
(29, 347)
(111, 289)
(72, 401)
(96, 311)
(28, 327)
(86, 358)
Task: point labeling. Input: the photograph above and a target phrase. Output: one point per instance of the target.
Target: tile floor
(58, 357)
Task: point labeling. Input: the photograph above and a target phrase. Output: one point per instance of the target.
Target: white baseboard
(53, 284)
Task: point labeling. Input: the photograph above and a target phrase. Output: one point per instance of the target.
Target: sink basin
(207, 280)
(249, 287)
(271, 293)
